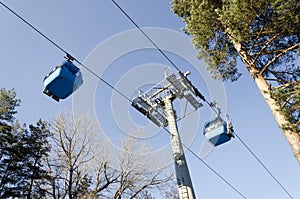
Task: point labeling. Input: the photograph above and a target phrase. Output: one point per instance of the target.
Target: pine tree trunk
(292, 137)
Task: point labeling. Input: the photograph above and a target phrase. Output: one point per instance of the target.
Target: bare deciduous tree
(138, 172)
(71, 153)
(79, 168)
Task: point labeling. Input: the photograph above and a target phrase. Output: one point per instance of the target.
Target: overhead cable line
(210, 104)
(143, 32)
(177, 68)
(103, 80)
(156, 46)
(108, 84)
(122, 94)
(265, 167)
(209, 167)
(63, 50)
(31, 26)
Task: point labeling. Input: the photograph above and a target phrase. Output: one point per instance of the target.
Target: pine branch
(288, 99)
(266, 45)
(256, 39)
(278, 56)
(276, 80)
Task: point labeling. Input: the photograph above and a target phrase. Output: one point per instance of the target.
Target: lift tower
(157, 105)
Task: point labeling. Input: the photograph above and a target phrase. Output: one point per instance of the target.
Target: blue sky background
(79, 27)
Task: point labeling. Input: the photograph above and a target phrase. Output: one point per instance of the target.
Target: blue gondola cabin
(217, 132)
(62, 81)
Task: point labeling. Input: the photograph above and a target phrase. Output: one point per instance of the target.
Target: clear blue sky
(79, 27)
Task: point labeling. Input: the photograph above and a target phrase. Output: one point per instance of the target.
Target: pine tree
(35, 149)
(265, 36)
(23, 152)
(8, 141)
